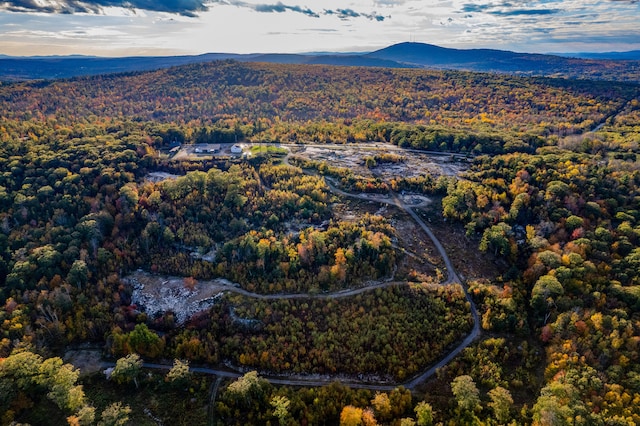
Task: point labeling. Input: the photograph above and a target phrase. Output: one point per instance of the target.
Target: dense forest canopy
(551, 198)
(280, 100)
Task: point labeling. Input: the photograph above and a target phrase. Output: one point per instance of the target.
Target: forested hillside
(550, 201)
(292, 102)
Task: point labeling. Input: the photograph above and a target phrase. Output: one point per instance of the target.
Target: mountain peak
(424, 54)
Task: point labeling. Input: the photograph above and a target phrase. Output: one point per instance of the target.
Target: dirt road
(452, 278)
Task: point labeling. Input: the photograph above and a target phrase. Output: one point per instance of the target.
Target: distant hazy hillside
(633, 55)
(403, 55)
(14, 68)
(17, 69)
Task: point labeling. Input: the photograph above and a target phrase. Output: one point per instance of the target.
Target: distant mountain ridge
(402, 55)
(37, 68)
(632, 55)
(431, 55)
(502, 61)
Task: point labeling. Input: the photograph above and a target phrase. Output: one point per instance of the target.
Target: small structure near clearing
(207, 148)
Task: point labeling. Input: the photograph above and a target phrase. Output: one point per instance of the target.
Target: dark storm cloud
(183, 7)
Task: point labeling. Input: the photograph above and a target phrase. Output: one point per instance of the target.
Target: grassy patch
(267, 150)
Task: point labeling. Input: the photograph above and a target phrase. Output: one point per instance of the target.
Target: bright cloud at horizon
(170, 27)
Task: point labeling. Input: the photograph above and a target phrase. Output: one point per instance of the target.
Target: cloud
(389, 3)
(517, 12)
(280, 7)
(346, 14)
(51, 7)
(189, 8)
(182, 7)
(505, 9)
(320, 30)
(471, 7)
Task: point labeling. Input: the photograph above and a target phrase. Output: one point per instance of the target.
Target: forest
(549, 202)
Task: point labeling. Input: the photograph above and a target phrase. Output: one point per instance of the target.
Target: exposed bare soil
(88, 360)
(199, 152)
(418, 257)
(161, 294)
(353, 157)
(160, 176)
(468, 260)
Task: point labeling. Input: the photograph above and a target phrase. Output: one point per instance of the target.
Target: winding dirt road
(452, 277)
(326, 296)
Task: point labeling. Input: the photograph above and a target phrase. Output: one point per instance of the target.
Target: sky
(186, 27)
